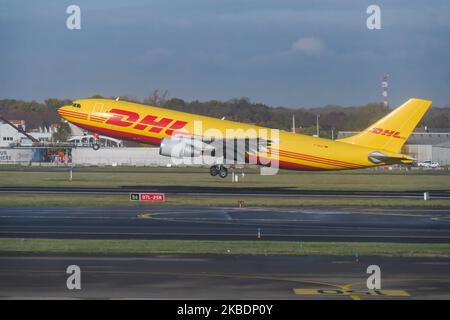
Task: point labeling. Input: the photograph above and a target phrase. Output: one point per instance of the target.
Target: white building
(9, 135)
(40, 136)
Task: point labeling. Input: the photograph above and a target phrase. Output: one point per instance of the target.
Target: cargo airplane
(177, 135)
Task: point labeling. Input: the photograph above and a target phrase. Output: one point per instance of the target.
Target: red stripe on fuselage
(73, 113)
(263, 161)
(73, 116)
(314, 159)
(318, 159)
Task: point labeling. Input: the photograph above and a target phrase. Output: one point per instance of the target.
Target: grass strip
(29, 199)
(21, 245)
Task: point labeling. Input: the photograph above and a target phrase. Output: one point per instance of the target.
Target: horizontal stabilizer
(378, 158)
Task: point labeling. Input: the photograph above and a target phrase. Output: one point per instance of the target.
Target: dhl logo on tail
(386, 132)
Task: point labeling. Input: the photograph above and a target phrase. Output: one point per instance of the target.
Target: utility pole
(317, 124)
(293, 123)
(384, 87)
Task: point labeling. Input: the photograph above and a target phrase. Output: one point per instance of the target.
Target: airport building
(8, 134)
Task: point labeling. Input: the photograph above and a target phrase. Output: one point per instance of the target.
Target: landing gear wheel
(223, 172)
(95, 146)
(214, 171)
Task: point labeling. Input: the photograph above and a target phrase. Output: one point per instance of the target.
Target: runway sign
(148, 197)
(342, 292)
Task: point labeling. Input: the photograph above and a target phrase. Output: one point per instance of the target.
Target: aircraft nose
(61, 111)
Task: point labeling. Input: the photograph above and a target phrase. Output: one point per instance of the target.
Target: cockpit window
(76, 105)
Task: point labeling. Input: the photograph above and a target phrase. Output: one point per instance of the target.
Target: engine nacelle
(179, 148)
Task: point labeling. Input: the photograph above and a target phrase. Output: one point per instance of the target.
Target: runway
(221, 277)
(230, 191)
(355, 224)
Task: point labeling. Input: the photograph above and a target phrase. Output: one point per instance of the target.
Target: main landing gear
(219, 170)
(96, 146)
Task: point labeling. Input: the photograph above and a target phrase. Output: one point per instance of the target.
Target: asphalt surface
(221, 277)
(357, 224)
(230, 191)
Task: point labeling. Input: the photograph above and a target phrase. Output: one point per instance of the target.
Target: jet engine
(180, 147)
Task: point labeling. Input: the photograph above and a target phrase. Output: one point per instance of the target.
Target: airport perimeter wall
(16, 156)
(146, 156)
(149, 156)
(119, 156)
(131, 157)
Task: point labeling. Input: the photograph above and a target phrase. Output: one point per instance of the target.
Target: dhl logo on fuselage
(386, 132)
(124, 118)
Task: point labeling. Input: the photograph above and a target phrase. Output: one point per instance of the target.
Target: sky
(280, 52)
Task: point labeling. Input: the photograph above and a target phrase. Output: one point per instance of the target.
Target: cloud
(154, 55)
(308, 45)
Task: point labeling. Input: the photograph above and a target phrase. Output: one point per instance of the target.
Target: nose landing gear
(96, 144)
